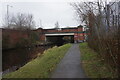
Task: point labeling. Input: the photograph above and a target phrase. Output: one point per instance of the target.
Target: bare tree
(21, 21)
(103, 28)
(30, 23)
(7, 21)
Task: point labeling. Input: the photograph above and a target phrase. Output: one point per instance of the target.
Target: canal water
(13, 59)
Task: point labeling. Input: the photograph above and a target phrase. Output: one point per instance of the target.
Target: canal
(13, 59)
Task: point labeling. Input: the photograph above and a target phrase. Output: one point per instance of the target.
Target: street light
(8, 15)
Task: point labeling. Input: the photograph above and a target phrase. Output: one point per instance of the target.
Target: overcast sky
(48, 11)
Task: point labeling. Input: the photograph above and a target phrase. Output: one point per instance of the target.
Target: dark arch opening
(60, 40)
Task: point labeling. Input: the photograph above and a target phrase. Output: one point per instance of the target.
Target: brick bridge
(12, 37)
(74, 34)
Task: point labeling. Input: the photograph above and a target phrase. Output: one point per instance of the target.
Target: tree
(21, 21)
(30, 23)
(103, 30)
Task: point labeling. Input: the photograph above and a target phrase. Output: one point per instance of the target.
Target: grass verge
(93, 64)
(42, 66)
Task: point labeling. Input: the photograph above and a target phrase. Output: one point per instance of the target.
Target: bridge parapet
(77, 32)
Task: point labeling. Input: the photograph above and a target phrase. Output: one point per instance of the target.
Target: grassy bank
(42, 66)
(93, 64)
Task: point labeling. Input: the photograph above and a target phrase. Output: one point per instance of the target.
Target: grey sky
(48, 11)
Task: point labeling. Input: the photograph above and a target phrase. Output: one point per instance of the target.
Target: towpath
(70, 66)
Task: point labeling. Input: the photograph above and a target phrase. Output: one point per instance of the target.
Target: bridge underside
(60, 39)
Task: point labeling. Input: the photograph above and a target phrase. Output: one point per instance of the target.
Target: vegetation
(22, 25)
(5, 42)
(34, 37)
(42, 66)
(19, 21)
(103, 29)
(93, 64)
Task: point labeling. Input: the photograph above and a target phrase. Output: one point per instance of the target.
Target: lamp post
(41, 23)
(8, 15)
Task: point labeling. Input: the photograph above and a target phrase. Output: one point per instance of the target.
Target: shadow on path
(70, 66)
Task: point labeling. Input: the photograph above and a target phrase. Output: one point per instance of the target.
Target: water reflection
(15, 58)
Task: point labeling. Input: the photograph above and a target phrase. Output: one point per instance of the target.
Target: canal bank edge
(42, 66)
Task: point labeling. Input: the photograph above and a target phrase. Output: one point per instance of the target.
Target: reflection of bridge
(75, 34)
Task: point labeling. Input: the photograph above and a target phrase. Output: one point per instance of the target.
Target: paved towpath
(70, 66)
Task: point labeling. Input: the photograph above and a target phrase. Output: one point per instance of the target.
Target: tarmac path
(70, 66)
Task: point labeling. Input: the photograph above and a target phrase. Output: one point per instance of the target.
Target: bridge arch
(60, 38)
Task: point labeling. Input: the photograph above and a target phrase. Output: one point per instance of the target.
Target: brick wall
(16, 35)
(13, 36)
(78, 31)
